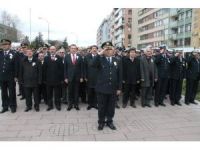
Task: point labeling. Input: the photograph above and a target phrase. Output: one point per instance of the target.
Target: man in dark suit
(31, 75)
(131, 77)
(177, 74)
(162, 61)
(149, 75)
(109, 84)
(22, 55)
(83, 85)
(42, 85)
(192, 77)
(91, 77)
(9, 69)
(53, 78)
(73, 73)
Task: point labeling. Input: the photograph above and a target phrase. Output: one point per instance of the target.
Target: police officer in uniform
(162, 61)
(109, 84)
(177, 74)
(192, 79)
(9, 68)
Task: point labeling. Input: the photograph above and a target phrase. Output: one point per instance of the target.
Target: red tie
(74, 59)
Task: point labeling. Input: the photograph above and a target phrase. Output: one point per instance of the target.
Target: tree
(26, 40)
(65, 44)
(38, 42)
(9, 20)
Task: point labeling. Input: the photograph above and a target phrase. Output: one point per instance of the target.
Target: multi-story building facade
(8, 32)
(195, 42)
(120, 28)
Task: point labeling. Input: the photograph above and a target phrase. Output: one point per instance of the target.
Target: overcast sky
(78, 24)
(78, 20)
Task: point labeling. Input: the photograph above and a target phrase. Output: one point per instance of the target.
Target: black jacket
(163, 66)
(30, 73)
(73, 71)
(91, 72)
(193, 68)
(131, 71)
(53, 74)
(109, 75)
(9, 66)
(177, 68)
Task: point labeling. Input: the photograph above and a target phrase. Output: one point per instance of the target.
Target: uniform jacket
(109, 75)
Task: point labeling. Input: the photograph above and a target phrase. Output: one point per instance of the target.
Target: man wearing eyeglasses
(8, 76)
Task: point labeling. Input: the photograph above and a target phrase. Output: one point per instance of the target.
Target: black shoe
(187, 103)
(111, 126)
(148, 105)
(96, 107)
(117, 106)
(133, 105)
(194, 103)
(162, 104)
(49, 108)
(156, 105)
(4, 110)
(58, 108)
(27, 109)
(37, 109)
(13, 110)
(69, 107)
(124, 105)
(19, 94)
(179, 104)
(76, 107)
(89, 107)
(143, 105)
(101, 126)
(22, 98)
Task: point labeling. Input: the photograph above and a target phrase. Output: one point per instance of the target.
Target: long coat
(53, 74)
(30, 73)
(192, 68)
(144, 69)
(177, 68)
(91, 72)
(131, 71)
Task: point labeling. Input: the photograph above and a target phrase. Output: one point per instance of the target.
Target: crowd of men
(96, 76)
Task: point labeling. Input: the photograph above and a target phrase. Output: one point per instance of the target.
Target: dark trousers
(73, 92)
(160, 90)
(8, 94)
(191, 90)
(64, 92)
(83, 91)
(29, 91)
(146, 94)
(106, 107)
(92, 98)
(175, 89)
(21, 90)
(129, 90)
(53, 89)
(42, 93)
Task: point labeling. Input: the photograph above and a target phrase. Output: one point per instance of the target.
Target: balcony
(174, 24)
(184, 35)
(173, 12)
(173, 36)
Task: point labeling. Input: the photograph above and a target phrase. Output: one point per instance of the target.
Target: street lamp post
(47, 24)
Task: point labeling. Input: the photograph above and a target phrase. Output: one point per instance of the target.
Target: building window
(187, 41)
(181, 16)
(130, 12)
(188, 28)
(180, 29)
(189, 14)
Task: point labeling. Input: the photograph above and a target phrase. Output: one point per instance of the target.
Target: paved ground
(171, 123)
